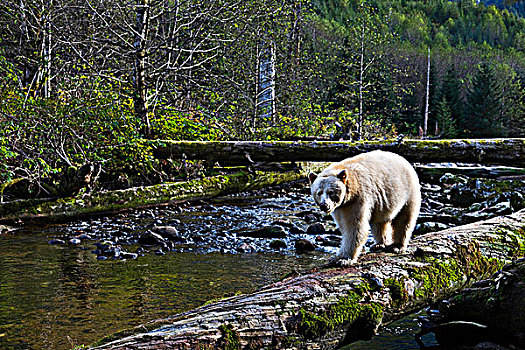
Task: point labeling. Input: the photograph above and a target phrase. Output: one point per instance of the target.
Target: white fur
(376, 190)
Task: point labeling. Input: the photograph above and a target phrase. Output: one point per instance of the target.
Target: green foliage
(446, 124)
(485, 102)
(341, 314)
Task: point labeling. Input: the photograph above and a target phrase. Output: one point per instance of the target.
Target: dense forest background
(89, 80)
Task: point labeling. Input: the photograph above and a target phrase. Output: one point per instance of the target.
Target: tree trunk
(329, 307)
(361, 80)
(425, 122)
(140, 95)
(491, 151)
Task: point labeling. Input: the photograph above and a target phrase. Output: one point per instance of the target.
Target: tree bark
(510, 152)
(329, 307)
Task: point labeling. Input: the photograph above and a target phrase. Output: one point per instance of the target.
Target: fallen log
(330, 307)
(108, 202)
(510, 152)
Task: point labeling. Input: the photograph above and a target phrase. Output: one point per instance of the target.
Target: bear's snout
(324, 207)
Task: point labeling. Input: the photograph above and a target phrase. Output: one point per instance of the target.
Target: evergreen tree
(446, 123)
(484, 103)
(451, 92)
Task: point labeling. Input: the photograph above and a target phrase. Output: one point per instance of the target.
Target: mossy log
(510, 152)
(137, 197)
(328, 307)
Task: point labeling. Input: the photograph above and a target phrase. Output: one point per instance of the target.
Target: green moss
(229, 338)
(439, 274)
(346, 311)
(397, 290)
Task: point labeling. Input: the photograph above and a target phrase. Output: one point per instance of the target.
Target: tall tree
(451, 92)
(484, 103)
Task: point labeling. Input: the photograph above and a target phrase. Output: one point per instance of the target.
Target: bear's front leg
(355, 232)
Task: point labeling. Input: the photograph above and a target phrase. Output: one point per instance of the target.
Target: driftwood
(509, 152)
(330, 307)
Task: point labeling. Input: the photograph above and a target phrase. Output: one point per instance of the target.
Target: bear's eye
(330, 192)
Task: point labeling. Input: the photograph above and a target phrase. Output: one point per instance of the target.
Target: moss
(439, 274)
(290, 342)
(343, 313)
(229, 338)
(398, 293)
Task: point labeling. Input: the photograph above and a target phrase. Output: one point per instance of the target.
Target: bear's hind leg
(381, 232)
(402, 227)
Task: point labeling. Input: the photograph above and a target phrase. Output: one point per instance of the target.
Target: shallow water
(55, 297)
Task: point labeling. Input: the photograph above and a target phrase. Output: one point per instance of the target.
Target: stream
(66, 285)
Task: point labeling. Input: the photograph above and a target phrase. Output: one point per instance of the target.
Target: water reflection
(55, 297)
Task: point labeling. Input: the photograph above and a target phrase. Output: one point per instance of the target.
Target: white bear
(378, 190)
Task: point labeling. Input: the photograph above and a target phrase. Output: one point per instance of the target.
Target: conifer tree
(446, 123)
(451, 92)
(484, 103)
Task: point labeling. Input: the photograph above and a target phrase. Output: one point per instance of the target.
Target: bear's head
(329, 190)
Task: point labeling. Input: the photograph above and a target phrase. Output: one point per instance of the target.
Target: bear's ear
(312, 177)
(343, 175)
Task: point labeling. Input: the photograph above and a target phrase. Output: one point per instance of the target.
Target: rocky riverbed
(279, 219)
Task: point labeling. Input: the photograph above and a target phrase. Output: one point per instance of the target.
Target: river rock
(316, 229)
(309, 216)
(330, 243)
(170, 233)
(150, 238)
(277, 244)
(283, 223)
(128, 255)
(265, 232)
(246, 248)
(303, 246)
(449, 179)
(427, 227)
(74, 241)
(475, 216)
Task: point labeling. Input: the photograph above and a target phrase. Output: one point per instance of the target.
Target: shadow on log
(329, 307)
(509, 152)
